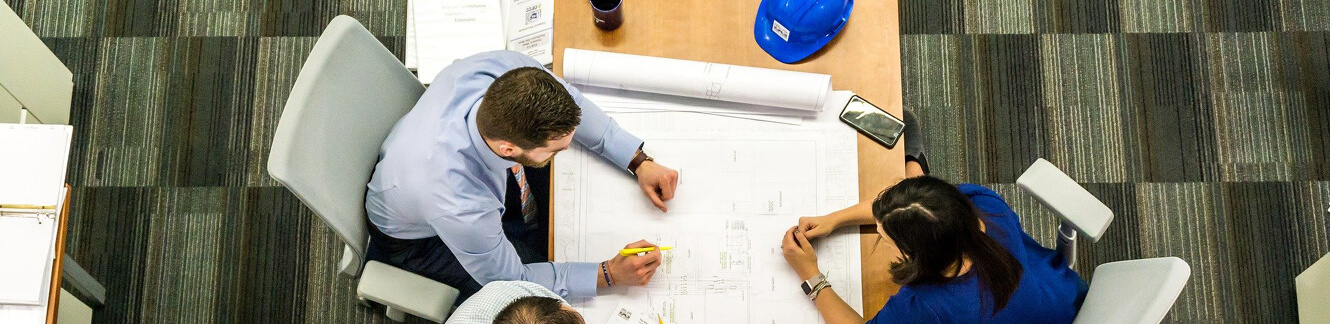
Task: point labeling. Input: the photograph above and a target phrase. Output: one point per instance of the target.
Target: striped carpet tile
(1187, 220)
(279, 62)
(1086, 130)
(128, 104)
(108, 235)
(192, 246)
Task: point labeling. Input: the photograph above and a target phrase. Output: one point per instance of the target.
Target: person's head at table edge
(538, 310)
(939, 235)
(527, 116)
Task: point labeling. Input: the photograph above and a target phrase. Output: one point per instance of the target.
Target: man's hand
(658, 182)
(819, 226)
(634, 270)
(799, 254)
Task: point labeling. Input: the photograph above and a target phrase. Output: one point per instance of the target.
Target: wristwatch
(814, 285)
(638, 159)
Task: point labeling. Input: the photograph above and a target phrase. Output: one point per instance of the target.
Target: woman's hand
(799, 254)
(815, 227)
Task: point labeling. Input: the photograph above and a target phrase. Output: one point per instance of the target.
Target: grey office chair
(348, 96)
(1132, 291)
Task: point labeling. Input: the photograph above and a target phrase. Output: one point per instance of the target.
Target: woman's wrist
(808, 273)
(859, 214)
(847, 217)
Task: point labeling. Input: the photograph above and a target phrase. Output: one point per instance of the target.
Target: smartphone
(872, 121)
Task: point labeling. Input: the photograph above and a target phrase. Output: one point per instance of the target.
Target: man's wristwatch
(814, 285)
(638, 160)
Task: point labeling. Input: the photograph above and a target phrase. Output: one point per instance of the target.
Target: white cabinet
(1313, 288)
(30, 75)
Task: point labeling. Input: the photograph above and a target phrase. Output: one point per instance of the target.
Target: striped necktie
(528, 208)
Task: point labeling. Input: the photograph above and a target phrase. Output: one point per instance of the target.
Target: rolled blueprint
(724, 82)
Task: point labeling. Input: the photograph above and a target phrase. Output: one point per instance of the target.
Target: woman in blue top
(958, 253)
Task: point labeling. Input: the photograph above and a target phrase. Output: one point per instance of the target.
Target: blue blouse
(1049, 292)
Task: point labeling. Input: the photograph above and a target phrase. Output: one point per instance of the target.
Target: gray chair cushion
(1134, 291)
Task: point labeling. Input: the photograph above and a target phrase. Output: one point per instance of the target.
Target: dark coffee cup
(607, 14)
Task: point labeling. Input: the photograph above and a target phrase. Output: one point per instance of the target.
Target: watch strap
(816, 290)
(812, 285)
(637, 161)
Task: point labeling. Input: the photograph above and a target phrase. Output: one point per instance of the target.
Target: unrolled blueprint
(738, 193)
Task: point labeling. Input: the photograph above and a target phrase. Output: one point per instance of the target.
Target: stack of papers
(439, 32)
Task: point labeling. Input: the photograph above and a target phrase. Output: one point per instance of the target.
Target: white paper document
(629, 315)
(714, 81)
(26, 255)
(529, 25)
(447, 30)
(738, 193)
(32, 169)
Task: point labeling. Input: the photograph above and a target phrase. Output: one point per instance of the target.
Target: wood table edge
(53, 301)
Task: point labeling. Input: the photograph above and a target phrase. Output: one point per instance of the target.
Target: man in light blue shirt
(460, 190)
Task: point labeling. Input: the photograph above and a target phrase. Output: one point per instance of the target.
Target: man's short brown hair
(527, 106)
(537, 310)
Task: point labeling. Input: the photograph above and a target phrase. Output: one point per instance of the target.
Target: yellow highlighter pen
(628, 252)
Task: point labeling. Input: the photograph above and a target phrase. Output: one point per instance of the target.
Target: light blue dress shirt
(436, 176)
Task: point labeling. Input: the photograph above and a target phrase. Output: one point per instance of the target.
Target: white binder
(33, 161)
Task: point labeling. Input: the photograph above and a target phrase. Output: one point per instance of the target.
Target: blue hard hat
(791, 30)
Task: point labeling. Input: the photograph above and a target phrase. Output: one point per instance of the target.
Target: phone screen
(872, 121)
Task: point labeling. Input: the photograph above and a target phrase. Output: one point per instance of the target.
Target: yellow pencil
(628, 252)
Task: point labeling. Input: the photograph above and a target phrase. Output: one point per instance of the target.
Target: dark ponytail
(937, 227)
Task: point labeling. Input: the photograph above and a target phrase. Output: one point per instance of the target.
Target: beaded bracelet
(605, 271)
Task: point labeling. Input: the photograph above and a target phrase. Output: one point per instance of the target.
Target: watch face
(807, 289)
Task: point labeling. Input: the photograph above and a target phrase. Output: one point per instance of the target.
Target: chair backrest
(348, 96)
(1134, 291)
(1057, 191)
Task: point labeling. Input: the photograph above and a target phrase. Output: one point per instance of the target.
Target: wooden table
(864, 58)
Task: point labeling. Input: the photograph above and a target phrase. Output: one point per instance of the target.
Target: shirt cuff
(582, 279)
(620, 147)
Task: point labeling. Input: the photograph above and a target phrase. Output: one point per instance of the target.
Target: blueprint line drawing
(743, 191)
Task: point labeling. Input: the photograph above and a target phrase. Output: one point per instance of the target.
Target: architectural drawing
(738, 194)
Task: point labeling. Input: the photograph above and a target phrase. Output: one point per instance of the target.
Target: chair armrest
(407, 292)
(1057, 191)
